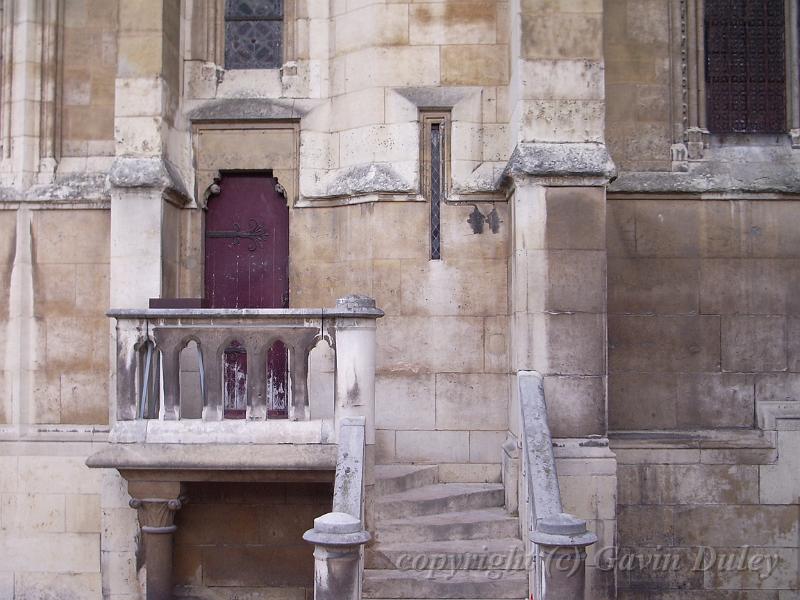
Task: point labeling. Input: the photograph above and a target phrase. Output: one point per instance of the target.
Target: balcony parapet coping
(238, 313)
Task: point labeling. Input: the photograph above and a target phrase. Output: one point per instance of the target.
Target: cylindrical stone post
(561, 557)
(355, 361)
(337, 538)
(156, 518)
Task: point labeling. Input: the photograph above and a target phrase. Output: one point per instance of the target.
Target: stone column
(561, 557)
(156, 504)
(338, 538)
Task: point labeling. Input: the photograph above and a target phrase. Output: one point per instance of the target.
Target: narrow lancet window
(434, 173)
(436, 191)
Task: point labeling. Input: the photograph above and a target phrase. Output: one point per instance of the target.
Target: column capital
(157, 515)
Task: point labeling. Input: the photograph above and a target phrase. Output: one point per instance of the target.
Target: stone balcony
(159, 421)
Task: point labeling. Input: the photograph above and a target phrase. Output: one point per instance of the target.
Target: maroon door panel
(247, 245)
(247, 266)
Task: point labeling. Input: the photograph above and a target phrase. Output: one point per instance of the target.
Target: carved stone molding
(688, 77)
(157, 515)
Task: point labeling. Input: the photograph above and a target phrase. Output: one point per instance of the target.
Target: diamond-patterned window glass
(436, 191)
(745, 43)
(253, 34)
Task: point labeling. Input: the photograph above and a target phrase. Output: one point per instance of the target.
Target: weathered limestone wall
(702, 302)
(56, 337)
(70, 272)
(49, 521)
(442, 386)
(234, 537)
(54, 398)
(638, 76)
(714, 500)
(90, 30)
(557, 93)
(56, 124)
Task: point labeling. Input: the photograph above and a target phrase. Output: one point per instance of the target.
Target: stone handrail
(143, 334)
(339, 535)
(559, 539)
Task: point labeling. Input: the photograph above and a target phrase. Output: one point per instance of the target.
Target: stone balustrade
(149, 370)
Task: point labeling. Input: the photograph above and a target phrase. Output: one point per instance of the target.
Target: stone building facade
(521, 185)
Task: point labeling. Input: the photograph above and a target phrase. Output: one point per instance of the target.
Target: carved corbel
(696, 142)
(212, 190)
(281, 191)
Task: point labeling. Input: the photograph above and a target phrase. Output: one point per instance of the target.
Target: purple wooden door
(247, 266)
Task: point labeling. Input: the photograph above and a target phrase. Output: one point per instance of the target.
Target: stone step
(411, 585)
(438, 498)
(467, 525)
(436, 558)
(392, 479)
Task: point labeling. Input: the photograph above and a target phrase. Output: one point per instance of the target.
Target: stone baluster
(171, 358)
(212, 367)
(257, 350)
(298, 360)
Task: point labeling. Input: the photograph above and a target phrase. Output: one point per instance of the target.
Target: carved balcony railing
(232, 396)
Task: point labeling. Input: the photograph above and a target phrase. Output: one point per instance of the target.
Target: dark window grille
(437, 164)
(253, 34)
(745, 47)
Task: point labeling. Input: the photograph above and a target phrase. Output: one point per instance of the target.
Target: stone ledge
(74, 188)
(214, 457)
(533, 159)
(360, 180)
(714, 177)
(703, 439)
(134, 172)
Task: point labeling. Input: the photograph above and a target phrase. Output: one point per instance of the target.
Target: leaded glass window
(435, 172)
(745, 50)
(253, 34)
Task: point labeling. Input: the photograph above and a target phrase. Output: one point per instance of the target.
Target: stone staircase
(442, 540)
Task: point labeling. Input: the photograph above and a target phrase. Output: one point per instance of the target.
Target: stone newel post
(355, 362)
(338, 538)
(561, 557)
(157, 522)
